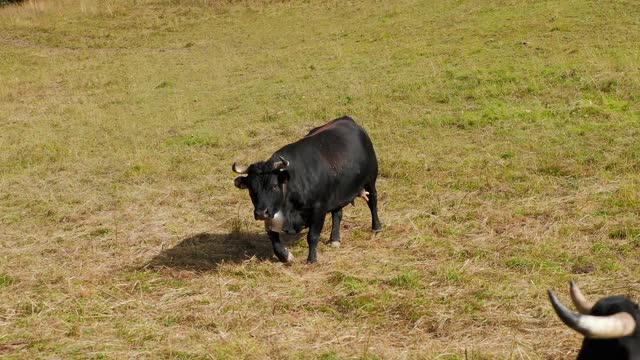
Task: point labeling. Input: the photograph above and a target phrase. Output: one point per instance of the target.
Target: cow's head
(611, 326)
(266, 182)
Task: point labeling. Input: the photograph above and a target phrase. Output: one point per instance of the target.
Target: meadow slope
(507, 134)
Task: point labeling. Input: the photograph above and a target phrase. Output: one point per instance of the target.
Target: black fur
(327, 170)
(625, 348)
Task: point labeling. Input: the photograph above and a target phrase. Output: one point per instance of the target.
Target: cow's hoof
(289, 257)
(334, 244)
(378, 230)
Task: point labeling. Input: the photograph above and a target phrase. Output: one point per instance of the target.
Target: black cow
(610, 327)
(303, 181)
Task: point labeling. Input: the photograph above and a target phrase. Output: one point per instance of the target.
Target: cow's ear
(283, 177)
(240, 182)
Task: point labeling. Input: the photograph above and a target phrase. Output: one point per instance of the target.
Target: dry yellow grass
(507, 134)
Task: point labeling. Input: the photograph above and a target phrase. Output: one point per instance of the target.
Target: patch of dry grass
(507, 138)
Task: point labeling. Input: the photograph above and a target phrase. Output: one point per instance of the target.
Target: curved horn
(581, 303)
(239, 169)
(595, 327)
(280, 165)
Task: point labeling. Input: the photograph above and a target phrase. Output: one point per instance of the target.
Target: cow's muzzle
(260, 214)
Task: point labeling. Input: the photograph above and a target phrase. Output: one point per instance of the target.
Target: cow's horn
(595, 327)
(239, 169)
(280, 165)
(581, 303)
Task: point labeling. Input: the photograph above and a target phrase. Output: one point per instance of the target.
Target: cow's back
(331, 164)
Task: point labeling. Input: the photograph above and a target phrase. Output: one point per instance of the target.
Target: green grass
(6, 280)
(406, 280)
(507, 136)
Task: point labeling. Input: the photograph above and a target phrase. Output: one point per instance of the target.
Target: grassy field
(508, 139)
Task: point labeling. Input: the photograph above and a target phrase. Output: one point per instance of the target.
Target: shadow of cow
(206, 251)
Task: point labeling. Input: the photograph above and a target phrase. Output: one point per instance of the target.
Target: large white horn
(581, 303)
(239, 169)
(280, 165)
(595, 327)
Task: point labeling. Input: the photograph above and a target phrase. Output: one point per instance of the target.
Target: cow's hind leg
(336, 218)
(278, 248)
(373, 206)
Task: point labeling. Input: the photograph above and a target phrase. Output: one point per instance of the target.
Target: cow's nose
(260, 214)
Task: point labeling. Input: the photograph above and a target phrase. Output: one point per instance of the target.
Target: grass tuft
(407, 280)
(6, 280)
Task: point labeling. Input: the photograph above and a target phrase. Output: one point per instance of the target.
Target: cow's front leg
(278, 248)
(336, 217)
(313, 236)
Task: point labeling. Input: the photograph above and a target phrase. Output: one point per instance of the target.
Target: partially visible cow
(303, 181)
(611, 327)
